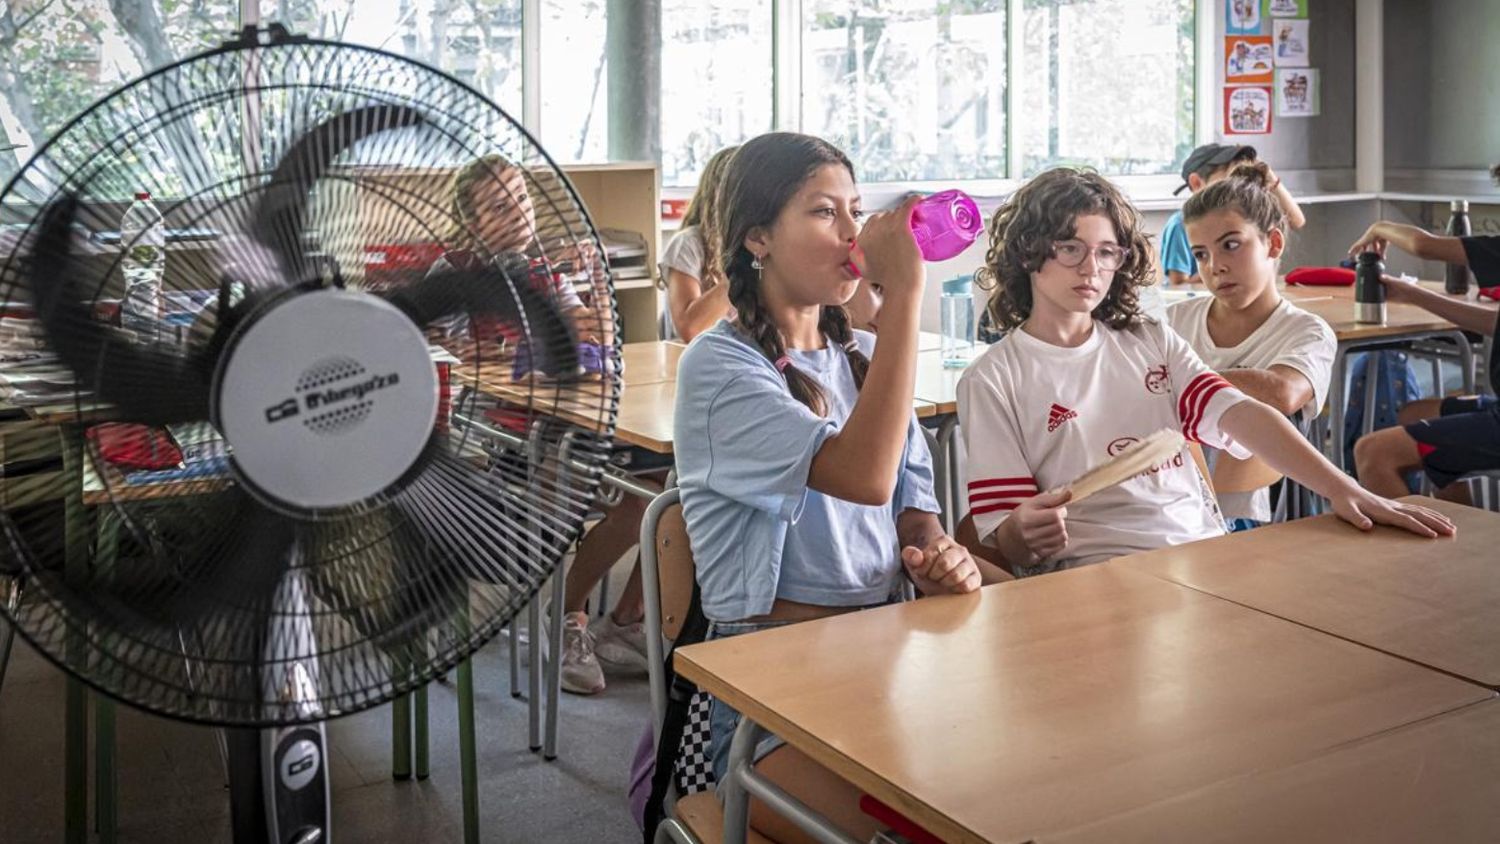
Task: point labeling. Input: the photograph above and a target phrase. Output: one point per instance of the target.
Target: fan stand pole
(247, 799)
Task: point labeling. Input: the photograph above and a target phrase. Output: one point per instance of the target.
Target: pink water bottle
(944, 224)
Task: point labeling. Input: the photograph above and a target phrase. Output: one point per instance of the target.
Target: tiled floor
(172, 781)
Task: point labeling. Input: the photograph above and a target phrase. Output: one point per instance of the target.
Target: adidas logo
(1058, 415)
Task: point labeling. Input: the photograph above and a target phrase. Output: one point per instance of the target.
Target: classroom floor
(172, 786)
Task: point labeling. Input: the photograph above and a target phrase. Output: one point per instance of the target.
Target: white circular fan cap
(327, 399)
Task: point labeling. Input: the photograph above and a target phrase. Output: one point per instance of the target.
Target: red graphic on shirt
(1120, 445)
(1058, 415)
(1156, 379)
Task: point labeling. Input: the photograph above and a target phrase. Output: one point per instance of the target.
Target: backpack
(1395, 384)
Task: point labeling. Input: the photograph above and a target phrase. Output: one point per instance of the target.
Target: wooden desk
(1043, 704)
(936, 383)
(1434, 781)
(650, 363)
(647, 406)
(1435, 602)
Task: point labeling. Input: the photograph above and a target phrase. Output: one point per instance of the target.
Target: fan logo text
(315, 400)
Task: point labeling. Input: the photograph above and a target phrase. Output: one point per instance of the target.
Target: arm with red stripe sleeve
(1202, 395)
(998, 477)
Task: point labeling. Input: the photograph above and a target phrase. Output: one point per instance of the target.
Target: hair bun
(1256, 173)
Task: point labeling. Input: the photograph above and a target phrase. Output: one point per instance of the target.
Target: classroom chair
(668, 580)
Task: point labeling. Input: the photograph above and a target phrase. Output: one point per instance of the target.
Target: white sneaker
(621, 645)
(581, 673)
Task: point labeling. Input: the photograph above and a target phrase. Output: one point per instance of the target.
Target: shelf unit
(618, 195)
(627, 195)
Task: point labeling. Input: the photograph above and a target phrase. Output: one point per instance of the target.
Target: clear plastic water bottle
(944, 224)
(143, 236)
(957, 309)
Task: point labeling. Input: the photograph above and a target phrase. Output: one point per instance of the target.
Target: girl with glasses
(1081, 375)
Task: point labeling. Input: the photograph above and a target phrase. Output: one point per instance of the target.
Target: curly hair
(1045, 210)
(762, 178)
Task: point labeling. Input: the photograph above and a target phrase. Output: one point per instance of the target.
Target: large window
(58, 56)
(716, 80)
(478, 41)
(1108, 83)
(911, 89)
(575, 80)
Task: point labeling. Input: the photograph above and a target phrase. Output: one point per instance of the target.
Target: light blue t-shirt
(744, 448)
(1176, 253)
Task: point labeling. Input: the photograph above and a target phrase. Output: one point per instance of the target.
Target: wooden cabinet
(400, 206)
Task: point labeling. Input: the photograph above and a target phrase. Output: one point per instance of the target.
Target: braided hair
(763, 176)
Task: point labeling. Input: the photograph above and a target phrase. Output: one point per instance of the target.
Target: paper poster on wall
(1242, 17)
(1285, 8)
(1247, 110)
(1291, 42)
(1297, 92)
(1247, 58)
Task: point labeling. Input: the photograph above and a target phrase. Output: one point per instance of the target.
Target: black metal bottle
(1369, 292)
(1456, 278)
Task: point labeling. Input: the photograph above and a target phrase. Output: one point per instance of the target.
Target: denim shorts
(723, 720)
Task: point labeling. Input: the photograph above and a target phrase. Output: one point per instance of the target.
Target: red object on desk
(1490, 293)
(1321, 277)
(132, 446)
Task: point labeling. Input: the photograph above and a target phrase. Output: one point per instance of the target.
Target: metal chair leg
(515, 660)
(554, 664)
(534, 677)
(10, 592)
(419, 716)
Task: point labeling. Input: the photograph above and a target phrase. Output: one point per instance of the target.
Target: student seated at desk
(497, 226)
(1080, 376)
(806, 485)
(1204, 166)
(1451, 437)
(691, 272)
(1261, 343)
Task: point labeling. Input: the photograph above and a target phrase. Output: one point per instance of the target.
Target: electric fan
(312, 552)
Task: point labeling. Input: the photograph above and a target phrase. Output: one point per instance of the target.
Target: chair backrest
(667, 583)
(1202, 464)
(674, 570)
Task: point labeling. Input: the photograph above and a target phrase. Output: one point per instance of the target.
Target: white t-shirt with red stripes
(1037, 416)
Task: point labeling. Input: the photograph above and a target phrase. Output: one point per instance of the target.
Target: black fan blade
(148, 382)
(215, 579)
(279, 216)
(503, 291)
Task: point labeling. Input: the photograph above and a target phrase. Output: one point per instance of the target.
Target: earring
(755, 263)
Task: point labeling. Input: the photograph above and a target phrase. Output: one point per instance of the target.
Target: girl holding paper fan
(1081, 375)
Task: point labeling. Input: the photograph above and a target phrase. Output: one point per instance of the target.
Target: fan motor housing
(326, 398)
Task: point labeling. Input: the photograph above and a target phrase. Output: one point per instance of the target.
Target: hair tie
(782, 363)
(851, 347)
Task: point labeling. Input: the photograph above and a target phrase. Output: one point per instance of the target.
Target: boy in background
(1204, 166)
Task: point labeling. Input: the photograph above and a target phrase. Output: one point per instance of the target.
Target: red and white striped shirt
(1036, 416)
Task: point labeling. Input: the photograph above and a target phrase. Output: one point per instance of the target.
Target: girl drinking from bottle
(799, 483)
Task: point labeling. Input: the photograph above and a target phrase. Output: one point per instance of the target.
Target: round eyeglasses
(1107, 257)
